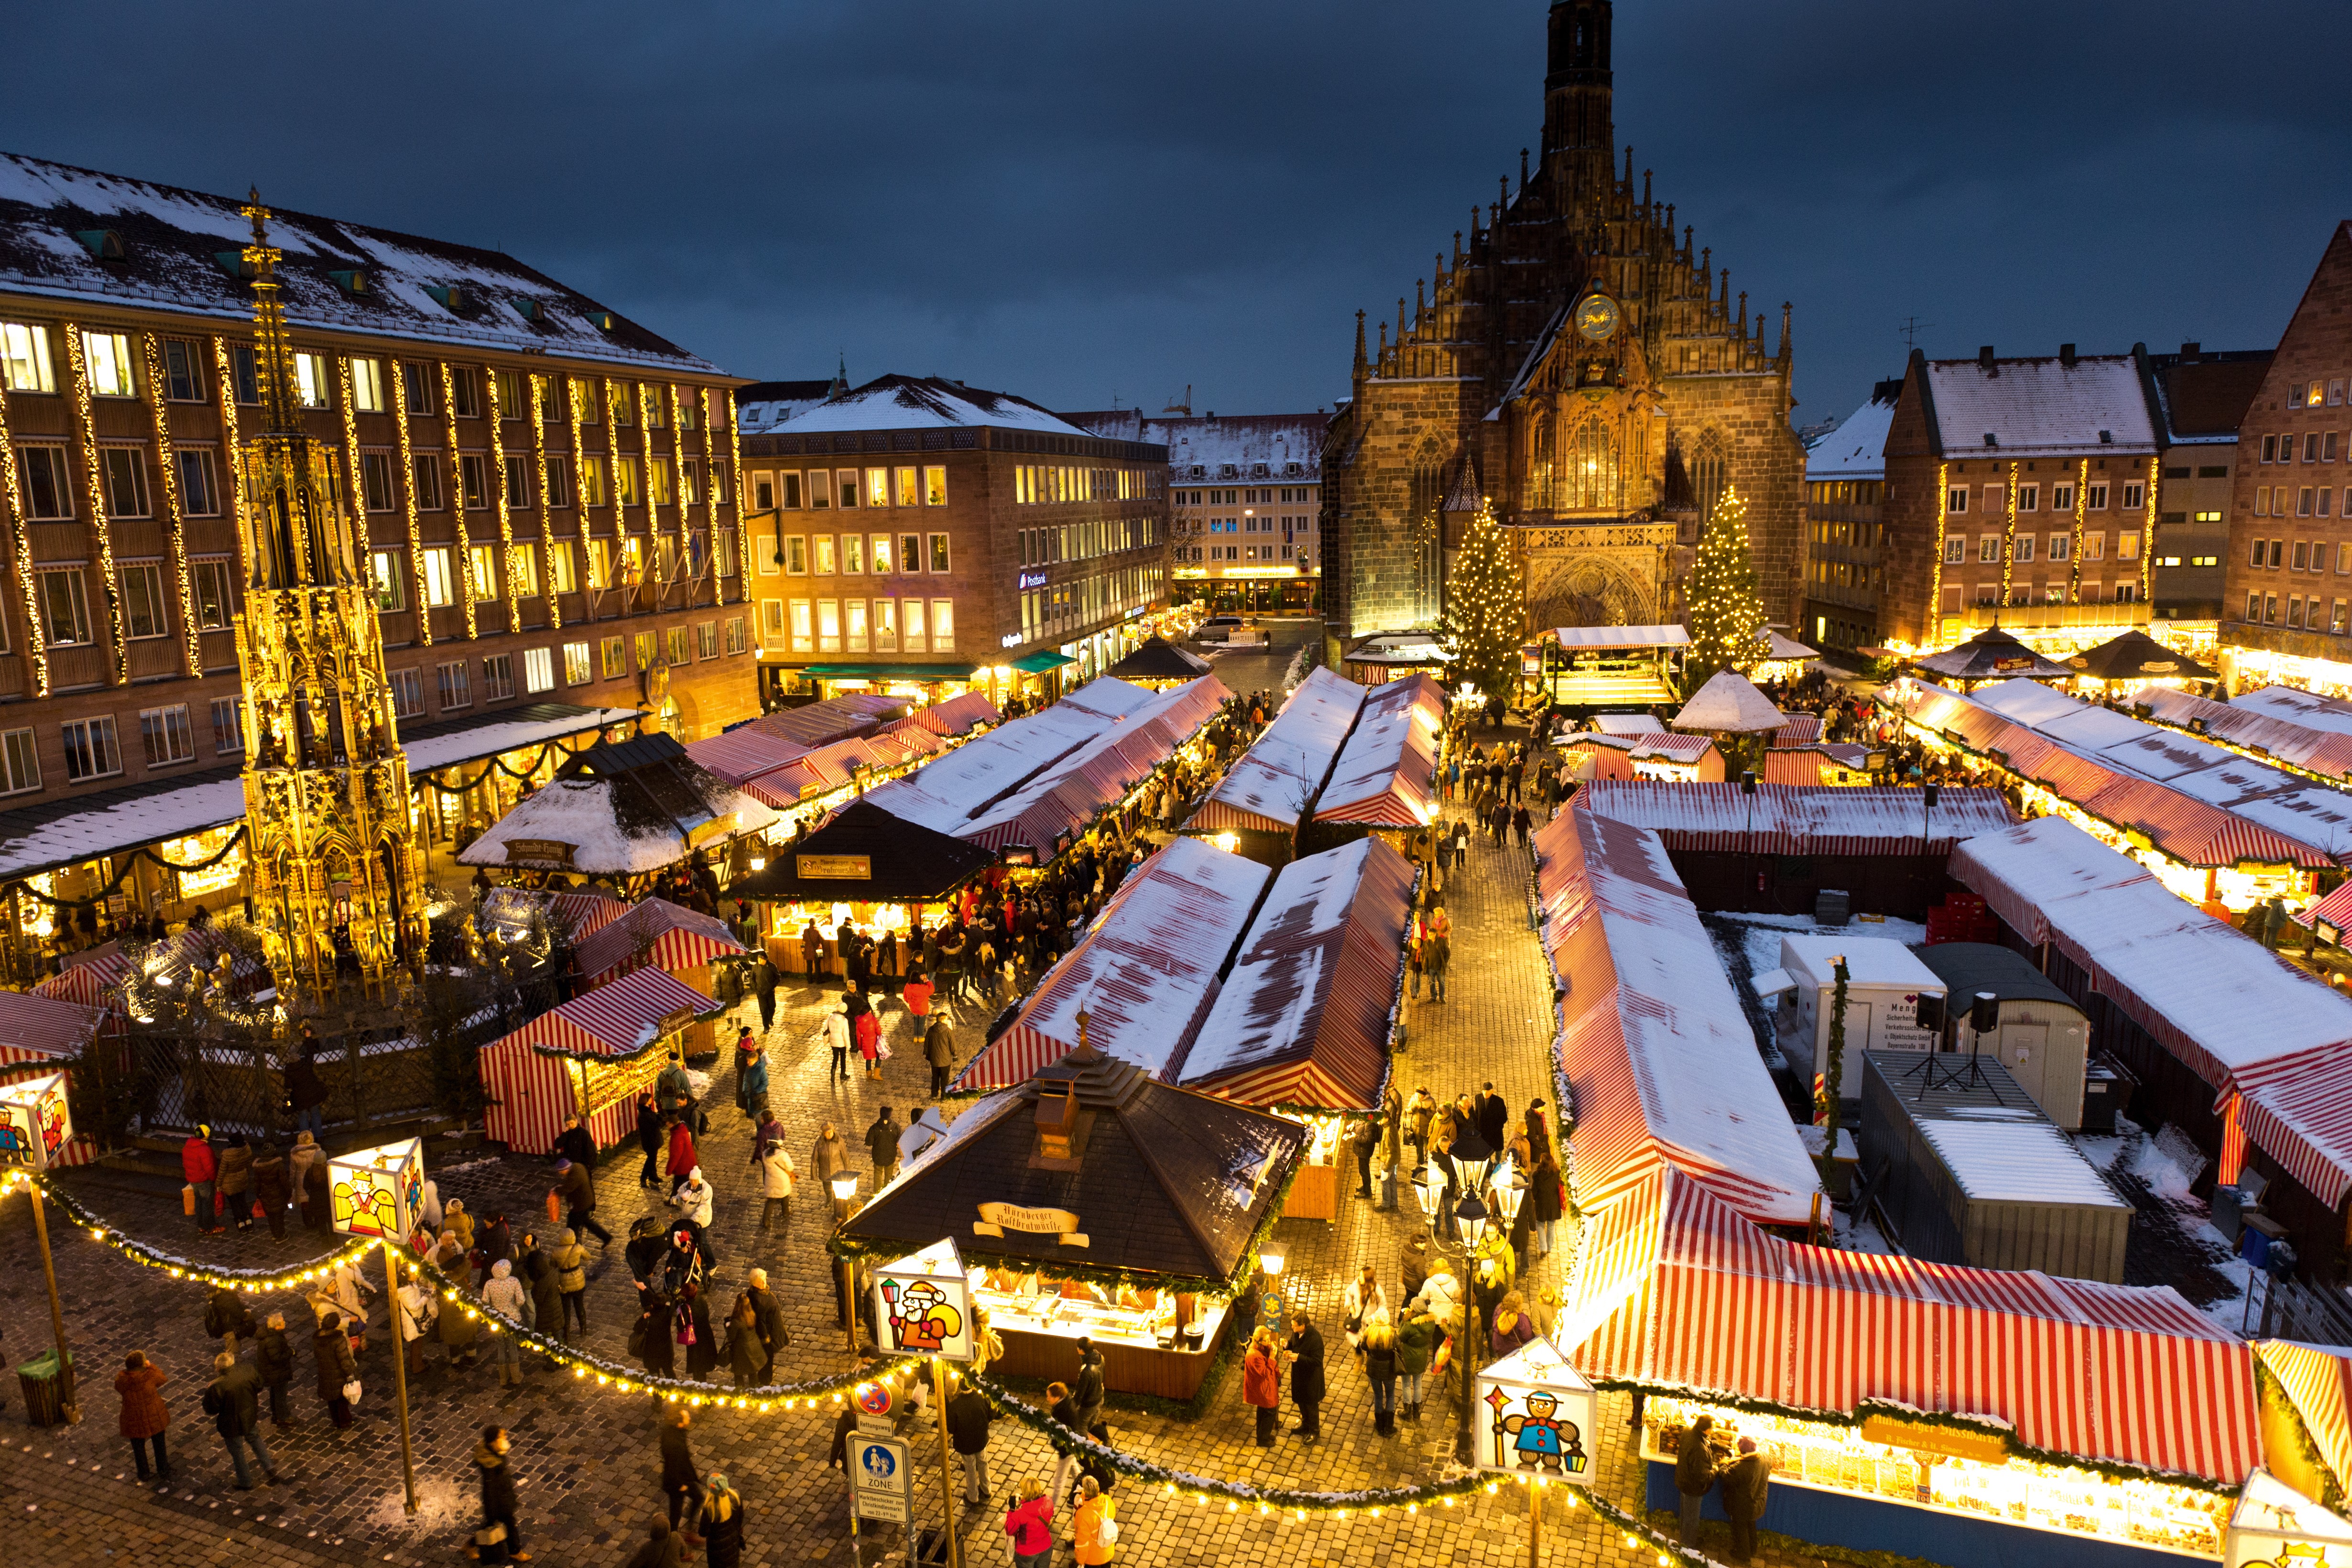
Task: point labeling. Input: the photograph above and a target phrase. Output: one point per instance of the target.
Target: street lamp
(843, 1184)
(1470, 1154)
(1470, 1217)
(1510, 1189)
(1429, 1186)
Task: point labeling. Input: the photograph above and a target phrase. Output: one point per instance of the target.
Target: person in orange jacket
(1094, 1529)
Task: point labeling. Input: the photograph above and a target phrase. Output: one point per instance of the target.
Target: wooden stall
(589, 1057)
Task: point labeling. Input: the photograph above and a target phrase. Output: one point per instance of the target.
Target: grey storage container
(2043, 1039)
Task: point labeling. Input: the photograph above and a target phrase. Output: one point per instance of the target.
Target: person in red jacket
(1030, 1522)
(682, 1157)
(1262, 1383)
(868, 1030)
(197, 1162)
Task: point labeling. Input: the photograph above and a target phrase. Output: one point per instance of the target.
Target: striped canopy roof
(1795, 819)
(1304, 1017)
(613, 1021)
(1386, 775)
(658, 933)
(1677, 1292)
(2319, 1383)
(34, 1026)
(1273, 785)
(956, 714)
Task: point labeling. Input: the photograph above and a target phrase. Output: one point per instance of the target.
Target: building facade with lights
(1583, 364)
(1244, 492)
(2201, 399)
(2287, 606)
(544, 490)
(1845, 490)
(918, 534)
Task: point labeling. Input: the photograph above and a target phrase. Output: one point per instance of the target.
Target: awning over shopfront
(2296, 728)
(1145, 973)
(1128, 1175)
(1044, 662)
(1679, 1293)
(34, 1028)
(449, 742)
(1275, 785)
(1791, 819)
(1659, 1057)
(1306, 1016)
(2318, 1380)
(865, 854)
(612, 1021)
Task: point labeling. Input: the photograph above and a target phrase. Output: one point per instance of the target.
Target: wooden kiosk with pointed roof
(1096, 1201)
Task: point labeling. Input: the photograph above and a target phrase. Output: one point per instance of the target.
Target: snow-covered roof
(2307, 709)
(925, 402)
(1278, 779)
(1869, 960)
(764, 404)
(605, 837)
(1728, 703)
(2094, 405)
(2011, 1154)
(1628, 723)
(170, 238)
(1620, 637)
(500, 736)
(1659, 1057)
(1246, 448)
(67, 832)
(1857, 449)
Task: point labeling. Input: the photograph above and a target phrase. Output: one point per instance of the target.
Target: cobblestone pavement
(586, 1459)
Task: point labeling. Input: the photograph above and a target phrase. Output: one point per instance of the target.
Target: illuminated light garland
(2008, 536)
(97, 1229)
(506, 513)
(458, 497)
(150, 352)
(645, 409)
(2074, 577)
(101, 525)
(589, 589)
(612, 568)
(678, 477)
(735, 468)
(2148, 539)
(408, 505)
(1932, 633)
(36, 648)
(546, 512)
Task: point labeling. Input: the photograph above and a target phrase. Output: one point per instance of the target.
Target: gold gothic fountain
(338, 879)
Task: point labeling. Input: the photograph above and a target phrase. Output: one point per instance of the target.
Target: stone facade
(1582, 368)
(2286, 608)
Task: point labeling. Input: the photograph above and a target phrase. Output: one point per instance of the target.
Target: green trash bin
(44, 1389)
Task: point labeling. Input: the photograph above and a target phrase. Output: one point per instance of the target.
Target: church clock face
(1596, 317)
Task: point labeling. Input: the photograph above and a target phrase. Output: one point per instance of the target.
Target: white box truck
(1885, 981)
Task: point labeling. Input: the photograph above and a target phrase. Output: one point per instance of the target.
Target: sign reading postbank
(995, 1219)
(835, 868)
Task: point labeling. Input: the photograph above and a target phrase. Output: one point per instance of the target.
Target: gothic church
(1585, 370)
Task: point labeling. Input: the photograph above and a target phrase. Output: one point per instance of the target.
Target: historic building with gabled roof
(1581, 365)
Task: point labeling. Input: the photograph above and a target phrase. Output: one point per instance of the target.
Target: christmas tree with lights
(1726, 612)
(1484, 610)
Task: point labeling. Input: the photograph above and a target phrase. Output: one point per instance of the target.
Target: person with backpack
(1094, 1530)
(1030, 1523)
(227, 1317)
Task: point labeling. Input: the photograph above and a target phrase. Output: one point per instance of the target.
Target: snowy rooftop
(1244, 448)
(1869, 960)
(1280, 776)
(170, 238)
(2013, 1155)
(764, 404)
(2096, 404)
(1857, 449)
(925, 402)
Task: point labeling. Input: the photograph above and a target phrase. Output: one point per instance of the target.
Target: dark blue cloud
(1082, 200)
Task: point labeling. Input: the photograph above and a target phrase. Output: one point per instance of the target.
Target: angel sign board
(35, 1124)
(922, 1304)
(2276, 1526)
(1534, 1416)
(377, 1192)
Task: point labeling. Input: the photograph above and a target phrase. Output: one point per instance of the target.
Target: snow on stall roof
(506, 735)
(1284, 770)
(1869, 960)
(581, 812)
(171, 235)
(1857, 449)
(1393, 750)
(2042, 405)
(1620, 637)
(2013, 1155)
(1659, 1056)
(925, 402)
(948, 791)
(38, 839)
(1628, 724)
(2306, 707)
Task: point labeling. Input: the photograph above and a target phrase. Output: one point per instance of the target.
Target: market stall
(1158, 662)
(588, 1057)
(1144, 974)
(1657, 1062)
(1602, 666)
(865, 869)
(2135, 664)
(1386, 777)
(1990, 655)
(2299, 730)
(1091, 1200)
(1955, 1414)
(622, 811)
(1260, 804)
(1656, 754)
(1307, 1015)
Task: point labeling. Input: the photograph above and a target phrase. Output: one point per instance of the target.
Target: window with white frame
(142, 600)
(314, 380)
(497, 677)
(164, 735)
(124, 469)
(735, 643)
(367, 385)
(21, 761)
(456, 687)
(92, 749)
(386, 580)
(112, 368)
(408, 693)
(25, 364)
(228, 726)
(578, 670)
(65, 607)
(199, 492)
(539, 670)
(48, 483)
(440, 577)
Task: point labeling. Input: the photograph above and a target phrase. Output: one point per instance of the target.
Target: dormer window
(528, 309)
(453, 298)
(350, 279)
(104, 244)
(603, 321)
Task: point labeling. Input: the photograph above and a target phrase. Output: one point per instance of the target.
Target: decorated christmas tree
(1486, 616)
(1727, 612)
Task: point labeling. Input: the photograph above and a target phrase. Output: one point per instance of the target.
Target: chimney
(2066, 355)
(2190, 352)
(1984, 357)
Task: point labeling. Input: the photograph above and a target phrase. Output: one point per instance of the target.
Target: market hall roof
(1232, 449)
(1167, 1184)
(85, 237)
(903, 861)
(2299, 729)
(1158, 659)
(1729, 704)
(1386, 775)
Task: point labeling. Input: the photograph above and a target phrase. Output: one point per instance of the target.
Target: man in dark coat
(273, 1358)
(306, 1092)
(650, 1139)
(499, 1492)
(233, 1400)
(680, 1480)
(764, 980)
(1494, 1117)
(576, 1144)
(1306, 1352)
(577, 1189)
(1694, 1474)
(882, 1143)
(969, 1416)
(1745, 1486)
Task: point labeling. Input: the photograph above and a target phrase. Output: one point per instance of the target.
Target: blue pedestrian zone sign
(882, 1481)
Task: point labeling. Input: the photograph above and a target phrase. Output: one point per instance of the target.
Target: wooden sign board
(835, 868)
(995, 1219)
(1931, 1438)
(553, 853)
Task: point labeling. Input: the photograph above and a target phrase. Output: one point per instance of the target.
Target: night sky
(1094, 203)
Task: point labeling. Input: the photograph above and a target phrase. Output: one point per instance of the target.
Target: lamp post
(1470, 1217)
(845, 1192)
(1272, 1261)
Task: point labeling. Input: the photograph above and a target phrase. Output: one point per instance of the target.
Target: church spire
(272, 352)
(1579, 134)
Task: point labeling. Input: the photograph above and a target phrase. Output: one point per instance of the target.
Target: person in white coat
(345, 1290)
(836, 1034)
(922, 1135)
(1365, 1302)
(776, 1172)
(693, 1199)
(428, 1208)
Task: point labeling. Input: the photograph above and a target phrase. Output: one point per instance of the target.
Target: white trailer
(1885, 981)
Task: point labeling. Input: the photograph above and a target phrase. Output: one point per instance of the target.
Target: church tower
(1576, 358)
(338, 878)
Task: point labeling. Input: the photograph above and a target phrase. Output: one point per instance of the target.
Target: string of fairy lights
(467, 592)
(20, 542)
(78, 363)
(834, 1391)
(499, 381)
(537, 384)
(399, 401)
(167, 473)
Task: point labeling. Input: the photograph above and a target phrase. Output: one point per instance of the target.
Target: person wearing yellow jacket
(1094, 1532)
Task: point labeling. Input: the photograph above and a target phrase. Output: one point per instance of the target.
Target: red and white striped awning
(34, 1028)
(1791, 819)
(1680, 1292)
(1800, 730)
(746, 754)
(1386, 775)
(2318, 1380)
(2335, 909)
(88, 976)
(956, 714)
(658, 933)
(612, 1021)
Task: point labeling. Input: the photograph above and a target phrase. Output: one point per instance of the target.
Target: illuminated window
(559, 567)
(828, 626)
(942, 622)
(440, 581)
(705, 639)
(112, 372)
(938, 559)
(624, 401)
(538, 670)
(881, 557)
(804, 634)
(1988, 547)
(735, 634)
(935, 486)
(854, 621)
(384, 577)
(577, 669)
(482, 559)
(904, 488)
(677, 645)
(2127, 547)
(24, 358)
(587, 398)
(877, 487)
(523, 562)
(912, 611)
(1955, 550)
(314, 378)
(853, 553)
(886, 625)
(659, 481)
(592, 481)
(616, 654)
(642, 647)
(624, 480)
(824, 558)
